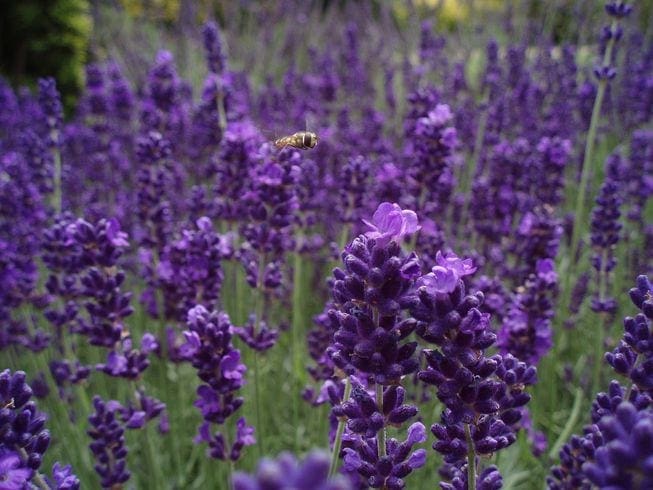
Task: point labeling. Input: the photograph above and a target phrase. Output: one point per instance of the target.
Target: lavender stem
(587, 163)
(381, 434)
(341, 428)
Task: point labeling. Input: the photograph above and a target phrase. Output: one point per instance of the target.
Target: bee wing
(310, 121)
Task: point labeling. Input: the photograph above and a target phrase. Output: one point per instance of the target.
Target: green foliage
(41, 38)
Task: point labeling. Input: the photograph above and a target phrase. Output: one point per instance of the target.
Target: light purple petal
(417, 459)
(416, 433)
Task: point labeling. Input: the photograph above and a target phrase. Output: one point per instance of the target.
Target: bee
(302, 140)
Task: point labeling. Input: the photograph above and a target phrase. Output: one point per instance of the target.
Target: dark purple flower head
(108, 442)
(368, 300)
(526, 330)
(485, 393)
(364, 416)
(285, 473)
(618, 8)
(615, 451)
(213, 45)
(606, 403)
(121, 98)
(259, 339)
(624, 459)
(569, 475)
(190, 269)
(209, 349)
(642, 296)
(391, 223)
(22, 426)
(50, 103)
(388, 471)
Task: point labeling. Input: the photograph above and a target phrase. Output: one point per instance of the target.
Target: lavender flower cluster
(615, 449)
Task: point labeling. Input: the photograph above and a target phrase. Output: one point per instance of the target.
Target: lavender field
(442, 280)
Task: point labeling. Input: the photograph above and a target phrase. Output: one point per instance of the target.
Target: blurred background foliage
(41, 38)
(58, 37)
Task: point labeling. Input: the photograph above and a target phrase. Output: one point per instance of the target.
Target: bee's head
(312, 140)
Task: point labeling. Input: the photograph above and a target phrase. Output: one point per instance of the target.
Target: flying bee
(302, 140)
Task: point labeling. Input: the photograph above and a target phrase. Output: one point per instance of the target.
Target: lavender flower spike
(285, 473)
(391, 223)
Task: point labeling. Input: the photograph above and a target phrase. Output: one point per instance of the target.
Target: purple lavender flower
(444, 276)
(24, 439)
(162, 108)
(526, 331)
(108, 443)
(430, 143)
(455, 478)
(237, 155)
(573, 455)
(618, 8)
(548, 180)
(483, 396)
(23, 216)
(285, 472)
(387, 471)
(391, 223)
(605, 230)
(318, 340)
(121, 96)
(609, 452)
(215, 55)
(23, 426)
(638, 181)
(13, 476)
(622, 461)
(63, 477)
(154, 178)
(368, 297)
(50, 102)
(190, 269)
(209, 349)
(366, 418)
(538, 237)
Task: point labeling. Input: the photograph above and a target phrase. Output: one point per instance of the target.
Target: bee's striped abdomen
(303, 140)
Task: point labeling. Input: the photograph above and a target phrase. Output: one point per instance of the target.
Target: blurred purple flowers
(286, 472)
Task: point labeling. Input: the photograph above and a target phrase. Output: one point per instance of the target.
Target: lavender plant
(489, 125)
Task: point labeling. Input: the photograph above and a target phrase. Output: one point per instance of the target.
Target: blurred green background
(58, 37)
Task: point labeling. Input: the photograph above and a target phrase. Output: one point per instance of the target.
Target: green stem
(587, 165)
(341, 429)
(258, 311)
(298, 322)
(232, 470)
(380, 439)
(151, 455)
(344, 236)
(569, 427)
(476, 157)
(600, 334)
(56, 192)
(471, 459)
